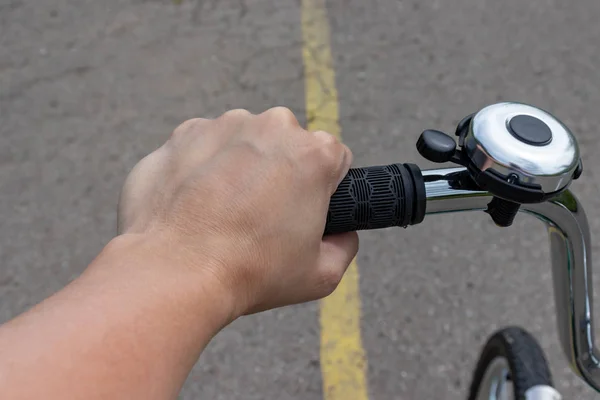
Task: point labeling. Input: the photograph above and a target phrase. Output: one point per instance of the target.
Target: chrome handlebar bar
(571, 254)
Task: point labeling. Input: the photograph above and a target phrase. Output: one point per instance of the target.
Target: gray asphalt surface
(89, 87)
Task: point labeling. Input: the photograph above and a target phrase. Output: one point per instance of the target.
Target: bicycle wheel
(511, 366)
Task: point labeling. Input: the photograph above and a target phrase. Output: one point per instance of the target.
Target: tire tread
(526, 360)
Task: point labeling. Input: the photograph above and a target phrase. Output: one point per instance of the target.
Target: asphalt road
(89, 87)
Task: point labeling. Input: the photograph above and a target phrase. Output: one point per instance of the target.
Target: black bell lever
(439, 147)
(436, 146)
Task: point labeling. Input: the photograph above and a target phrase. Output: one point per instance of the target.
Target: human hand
(225, 219)
(242, 201)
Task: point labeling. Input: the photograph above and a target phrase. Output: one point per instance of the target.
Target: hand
(243, 199)
(225, 219)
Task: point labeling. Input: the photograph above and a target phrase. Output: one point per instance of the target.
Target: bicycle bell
(517, 152)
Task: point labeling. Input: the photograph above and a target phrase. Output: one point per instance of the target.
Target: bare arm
(122, 330)
(225, 219)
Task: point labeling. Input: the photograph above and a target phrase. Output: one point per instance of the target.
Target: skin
(224, 220)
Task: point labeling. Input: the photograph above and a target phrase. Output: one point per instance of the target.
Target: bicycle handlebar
(374, 197)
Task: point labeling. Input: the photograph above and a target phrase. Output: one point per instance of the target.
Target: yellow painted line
(343, 361)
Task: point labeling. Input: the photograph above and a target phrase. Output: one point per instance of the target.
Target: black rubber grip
(377, 197)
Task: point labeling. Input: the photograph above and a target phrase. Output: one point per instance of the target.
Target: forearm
(130, 327)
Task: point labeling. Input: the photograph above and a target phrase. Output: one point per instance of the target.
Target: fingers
(337, 252)
(277, 130)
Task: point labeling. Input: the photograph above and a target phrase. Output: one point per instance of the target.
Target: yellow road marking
(343, 361)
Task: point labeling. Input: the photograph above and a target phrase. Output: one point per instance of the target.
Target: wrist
(155, 268)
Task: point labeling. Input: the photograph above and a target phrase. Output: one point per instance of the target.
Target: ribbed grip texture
(376, 197)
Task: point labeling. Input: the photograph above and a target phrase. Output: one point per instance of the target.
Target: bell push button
(530, 130)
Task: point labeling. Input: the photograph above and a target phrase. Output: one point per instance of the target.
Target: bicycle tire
(524, 357)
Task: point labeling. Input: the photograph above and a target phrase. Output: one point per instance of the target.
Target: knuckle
(327, 140)
(186, 127)
(332, 150)
(236, 113)
(282, 115)
(348, 154)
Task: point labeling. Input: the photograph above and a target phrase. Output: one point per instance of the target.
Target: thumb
(337, 252)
